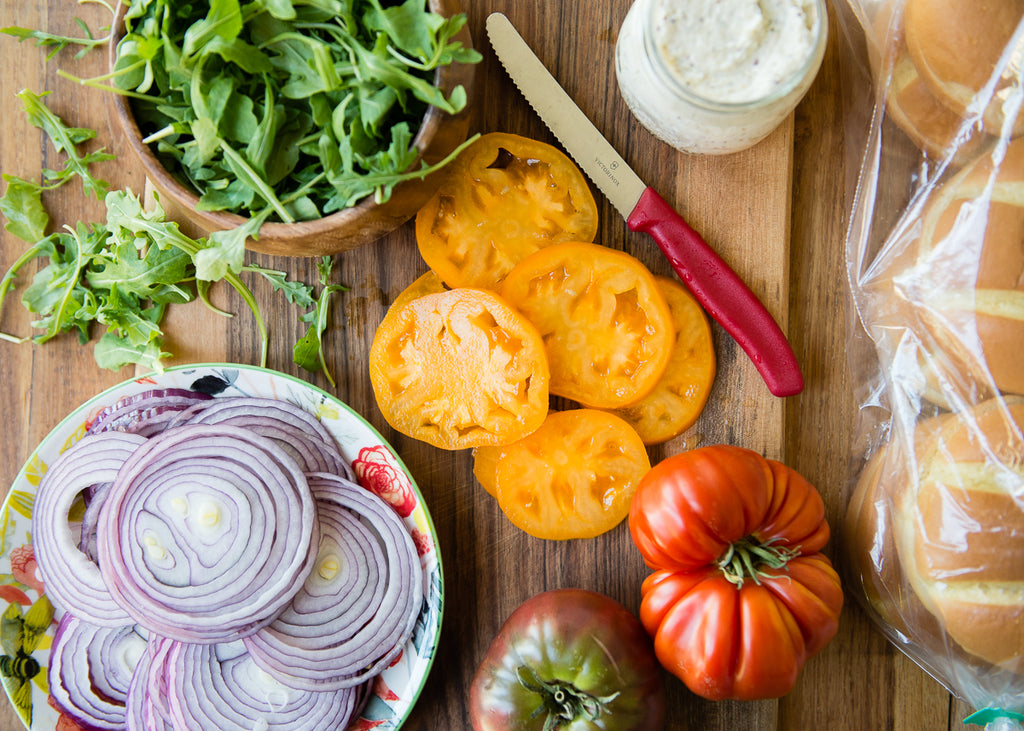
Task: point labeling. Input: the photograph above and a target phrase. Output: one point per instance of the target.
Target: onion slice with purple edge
(206, 533)
(300, 433)
(91, 669)
(146, 413)
(73, 580)
(148, 705)
(219, 687)
(327, 638)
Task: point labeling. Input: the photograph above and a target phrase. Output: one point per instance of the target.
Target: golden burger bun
(870, 543)
(960, 529)
(966, 280)
(956, 46)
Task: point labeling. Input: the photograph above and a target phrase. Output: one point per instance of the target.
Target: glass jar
(718, 77)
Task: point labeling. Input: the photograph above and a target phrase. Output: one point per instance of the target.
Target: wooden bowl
(439, 134)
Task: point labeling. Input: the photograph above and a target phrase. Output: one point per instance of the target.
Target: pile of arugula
(272, 109)
(124, 273)
(286, 109)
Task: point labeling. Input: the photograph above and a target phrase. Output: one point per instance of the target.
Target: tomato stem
(563, 702)
(749, 558)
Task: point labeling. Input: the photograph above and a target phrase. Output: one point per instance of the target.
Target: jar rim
(673, 83)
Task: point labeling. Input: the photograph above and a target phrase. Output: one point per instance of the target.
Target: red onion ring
(219, 687)
(207, 532)
(73, 580)
(91, 669)
(146, 413)
(293, 428)
(320, 641)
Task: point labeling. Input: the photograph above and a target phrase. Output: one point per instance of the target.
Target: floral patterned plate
(24, 652)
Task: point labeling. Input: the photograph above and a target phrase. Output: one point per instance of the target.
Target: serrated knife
(716, 286)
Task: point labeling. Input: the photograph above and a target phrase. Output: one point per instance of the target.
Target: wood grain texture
(775, 213)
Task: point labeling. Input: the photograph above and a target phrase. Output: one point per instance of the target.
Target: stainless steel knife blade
(581, 139)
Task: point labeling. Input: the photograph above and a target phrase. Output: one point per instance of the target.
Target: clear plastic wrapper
(934, 532)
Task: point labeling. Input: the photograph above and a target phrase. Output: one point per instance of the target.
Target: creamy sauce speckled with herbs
(717, 76)
(734, 50)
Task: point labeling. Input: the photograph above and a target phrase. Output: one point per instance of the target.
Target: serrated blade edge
(581, 139)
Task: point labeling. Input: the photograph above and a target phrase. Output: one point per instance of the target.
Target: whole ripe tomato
(741, 596)
(569, 659)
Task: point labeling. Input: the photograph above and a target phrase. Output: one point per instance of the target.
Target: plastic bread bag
(934, 533)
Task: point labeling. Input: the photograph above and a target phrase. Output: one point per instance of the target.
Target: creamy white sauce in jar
(717, 76)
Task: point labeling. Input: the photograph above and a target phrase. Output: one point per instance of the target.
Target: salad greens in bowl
(314, 124)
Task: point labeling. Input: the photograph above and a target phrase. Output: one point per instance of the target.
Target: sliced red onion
(295, 429)
(207, 533)
(91, 669)
(219, 687)
(327, 638)
(90, 519)
(147, 707)
(146, 413)
(73, 580)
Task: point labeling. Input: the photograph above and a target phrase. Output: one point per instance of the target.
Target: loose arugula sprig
(125, 272)
(22, 202)
(309, 352)
(58, 42)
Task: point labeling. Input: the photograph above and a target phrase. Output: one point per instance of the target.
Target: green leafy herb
(302, 108)
(124, 273)
(66, 139)
(58, 42)
(22, 202)
(309, 350)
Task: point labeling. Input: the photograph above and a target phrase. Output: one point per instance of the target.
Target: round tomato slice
(574, 477)
(504, 197)
(679, 397)
(606, 325)
(459, 369)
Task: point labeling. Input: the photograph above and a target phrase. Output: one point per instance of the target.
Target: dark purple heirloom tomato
(571, 660)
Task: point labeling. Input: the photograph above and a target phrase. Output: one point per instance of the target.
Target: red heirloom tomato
(569, 659)
(741, 596)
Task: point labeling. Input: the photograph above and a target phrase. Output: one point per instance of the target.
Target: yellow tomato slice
(504, 197)
(606, 325)
(459, 369)
(574, 477)
(679, 397)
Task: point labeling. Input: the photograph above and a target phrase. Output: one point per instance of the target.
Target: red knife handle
(721, 292)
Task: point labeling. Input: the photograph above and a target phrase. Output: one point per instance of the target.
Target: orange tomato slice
(504, 197)
(681, 394)
(574, 477)
(606, 325)
(459, 369)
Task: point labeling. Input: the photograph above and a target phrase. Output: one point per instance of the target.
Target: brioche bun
(956, 46)
(966, 282)
(869, 540)
(960, 529)
(933, 127)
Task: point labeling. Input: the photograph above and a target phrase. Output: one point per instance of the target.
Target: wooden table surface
(776, 213)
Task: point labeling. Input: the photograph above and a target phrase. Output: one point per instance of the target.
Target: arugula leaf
(308, 352)
(58, 42)
(295, 292)
(22, 206)
(66, 139)
(224, 21)
(114, 352)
